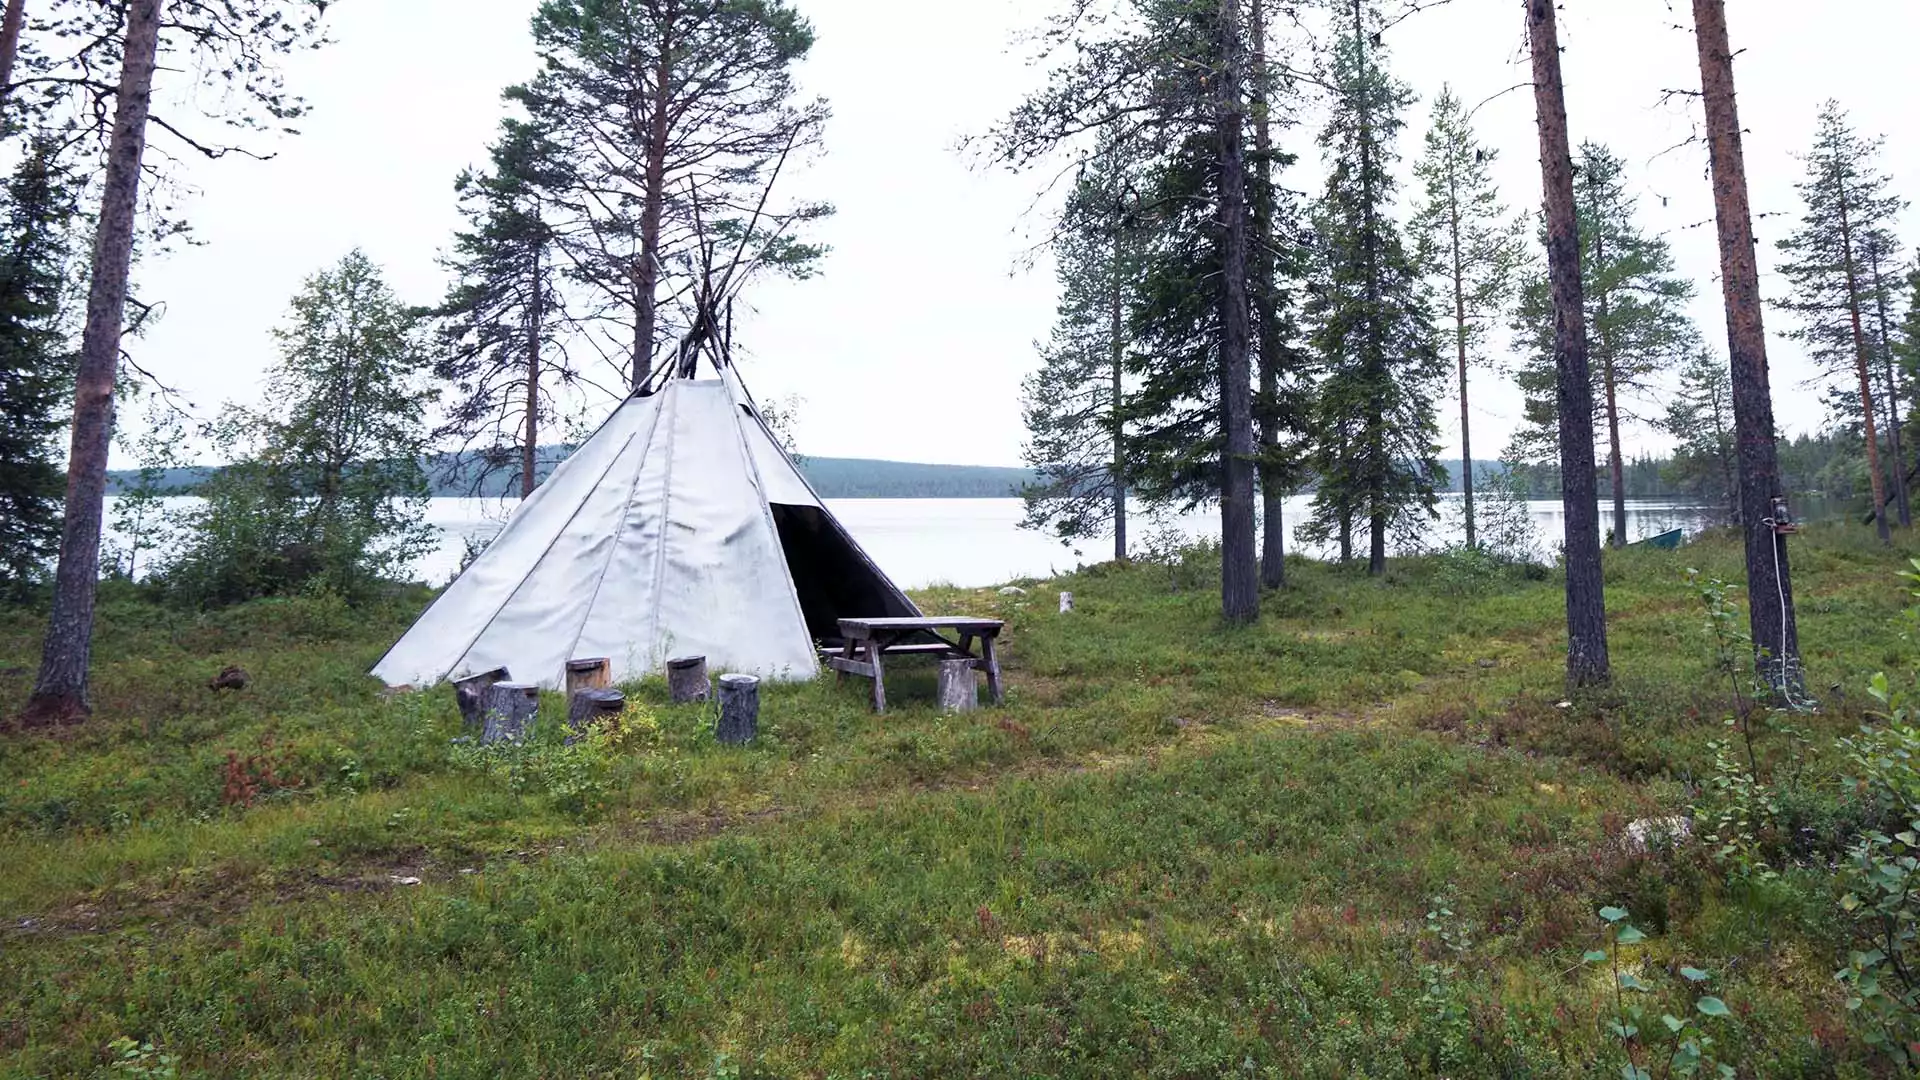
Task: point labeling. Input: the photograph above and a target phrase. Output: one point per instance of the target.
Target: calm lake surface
(974, 542)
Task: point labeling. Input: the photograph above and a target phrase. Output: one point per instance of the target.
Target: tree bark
(1875, 477)
(1376, 451)
(1587, 661)
(1897, 475)
(647, 274)
(1273, 537)
(1239, 577)
(1772, 626)
(508, 712)
(16, 18)
(958, 686)
(1118, 359)
(60, 692)
(530, 437)
(687, 680)
(1460, 341)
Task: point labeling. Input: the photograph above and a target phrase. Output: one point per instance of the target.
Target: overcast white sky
(912, 342)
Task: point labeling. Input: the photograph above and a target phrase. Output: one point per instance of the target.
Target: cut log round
(687, 679)
(959, 689)
(588, 707)
(1066, 602)
(509, 712)
(591, 674)
(471, 695)
(739, 709)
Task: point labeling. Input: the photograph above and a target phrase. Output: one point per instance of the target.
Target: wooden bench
(863, 642)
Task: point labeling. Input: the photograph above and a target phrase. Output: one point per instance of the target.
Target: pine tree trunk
(1118, 359)
(1239, 574)
(1876, 478)
(1587, 662)
(1460, 342)
(1273, 539)
(1772, 626)
(530, 438)
(1897, 475)
(60, 693)
(10, 44)
(1616, 465)
(647, 274)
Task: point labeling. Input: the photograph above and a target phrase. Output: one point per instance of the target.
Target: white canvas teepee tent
(679, 528)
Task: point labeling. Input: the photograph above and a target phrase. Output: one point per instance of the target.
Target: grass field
(1368, 837)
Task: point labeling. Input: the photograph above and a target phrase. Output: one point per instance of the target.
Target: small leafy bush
(1679, 1047)
(575, 772)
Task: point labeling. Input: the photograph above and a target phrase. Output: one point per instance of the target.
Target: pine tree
(1376, 454)
(1075, 403)
(676, 117)
(1637, 325)
(1468, 243)
(1588, 662)
(1700, 419)
(230, 45)
(1825, 267)
(36, 364)
(499, 321)
(1773, 628)
(1880, 251)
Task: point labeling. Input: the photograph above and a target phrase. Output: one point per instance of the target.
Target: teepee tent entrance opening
(678, 528)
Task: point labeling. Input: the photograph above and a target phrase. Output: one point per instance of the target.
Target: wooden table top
(864, 628)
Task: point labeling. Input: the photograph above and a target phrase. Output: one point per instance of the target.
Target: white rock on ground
(1644, 834)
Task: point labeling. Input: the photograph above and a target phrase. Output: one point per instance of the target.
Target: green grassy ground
(1181, 851)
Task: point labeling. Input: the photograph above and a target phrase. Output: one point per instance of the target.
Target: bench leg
(992, 662)
(846, 653)
(879, 677)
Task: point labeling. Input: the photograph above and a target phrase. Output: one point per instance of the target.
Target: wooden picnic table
(865, 641)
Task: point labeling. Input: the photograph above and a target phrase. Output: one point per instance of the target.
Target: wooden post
(1066, 602)
(959, 689)
(587, 707)
(509, 712)
(687, 679)
(594, 674)
(471, 695)
(739, 709)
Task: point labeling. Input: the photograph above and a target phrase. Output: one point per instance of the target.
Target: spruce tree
(1074, 404)
(1637, 325)
(499, 323)
(1830, 286)
(1468, 244)
(1700, 418)
(1376, 433)
(36, 363)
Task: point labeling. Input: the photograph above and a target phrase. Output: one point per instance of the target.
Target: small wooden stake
(959, 689)
(739, 709)
(687, 679)
(471, 694)
(509, 711)
(587, 707)
(594, 674)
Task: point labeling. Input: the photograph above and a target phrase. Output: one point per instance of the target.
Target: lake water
(973, 542)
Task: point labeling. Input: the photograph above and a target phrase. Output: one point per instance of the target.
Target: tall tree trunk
(1118, 359)
(1460, 340)
(1239, 577)
(1775, 633)
(1876, 478)
(60, 693)
(530, 436)
(1273, 540)
(1376, 449)
(10, 28)
(1897, 475)
(1587, 662)
(647, 274)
